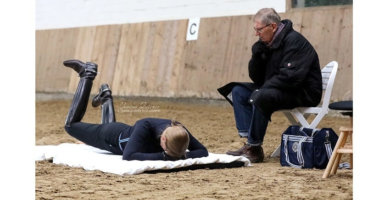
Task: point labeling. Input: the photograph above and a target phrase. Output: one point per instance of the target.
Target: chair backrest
(328, 76)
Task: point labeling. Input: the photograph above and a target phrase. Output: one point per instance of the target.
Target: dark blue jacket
(144, 141)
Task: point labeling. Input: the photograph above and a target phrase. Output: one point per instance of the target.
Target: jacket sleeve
(298, 56)
(256, 66)
(196, 149)
(142, 135)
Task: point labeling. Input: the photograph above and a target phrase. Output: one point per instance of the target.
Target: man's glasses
(258, 30)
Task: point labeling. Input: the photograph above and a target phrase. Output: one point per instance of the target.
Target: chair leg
(351, 156)
(301, 119)
(317, 120)
(290, 118)
(333, 157)
(351, 160)
(343, 141)
(276, 153)
(336, 164)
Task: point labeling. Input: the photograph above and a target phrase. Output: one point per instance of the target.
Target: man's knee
(240, 93)
(264, 96)
(267, 100)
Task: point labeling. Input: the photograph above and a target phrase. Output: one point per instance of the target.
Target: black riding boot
(104, 99)
(87, 72)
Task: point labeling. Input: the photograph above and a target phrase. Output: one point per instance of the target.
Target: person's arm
(135, 147)
(196, 149)
(256, 65)
(298, 57)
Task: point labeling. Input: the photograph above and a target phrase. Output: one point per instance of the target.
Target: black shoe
(87, 70)
(104, 95)
(255, 154)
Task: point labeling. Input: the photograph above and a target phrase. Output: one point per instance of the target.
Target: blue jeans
(249, 121)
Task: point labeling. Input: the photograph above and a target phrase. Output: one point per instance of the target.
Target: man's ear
(274, 27)
(163, 142)
(163, 138)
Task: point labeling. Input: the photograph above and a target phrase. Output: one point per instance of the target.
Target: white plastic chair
(302, 113)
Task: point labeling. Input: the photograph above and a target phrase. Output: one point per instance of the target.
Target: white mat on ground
(90, 158)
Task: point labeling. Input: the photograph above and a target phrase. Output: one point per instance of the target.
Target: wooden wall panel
(84, 47)
(171, 58)
(295, 17)
(238, 51)
(329, 29)
(41, 46)
(52, 48)
(204, 58)
(104, 53)
(154, 58)
(344, 80)
(100, 45)
(179, 58)
(131, 57)
(149, 58)
(156, 69)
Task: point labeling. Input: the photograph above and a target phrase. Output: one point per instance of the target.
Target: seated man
(286, 73)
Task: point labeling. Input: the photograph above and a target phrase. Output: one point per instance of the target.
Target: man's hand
(168, 157)
(258, 48)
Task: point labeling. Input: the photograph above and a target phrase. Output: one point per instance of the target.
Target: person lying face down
(175, 140)
(148, 139)
(159, 139)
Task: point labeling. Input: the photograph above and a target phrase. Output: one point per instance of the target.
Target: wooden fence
(154, 58)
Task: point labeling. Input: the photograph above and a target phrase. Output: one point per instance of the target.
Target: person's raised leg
(105, 100)
(87, 72)
(103, 136)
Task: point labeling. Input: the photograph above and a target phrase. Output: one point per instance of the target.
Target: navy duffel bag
(307, 148)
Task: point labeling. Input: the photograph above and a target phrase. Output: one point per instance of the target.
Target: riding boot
(108, 112)
(87, 72)
(104, 98)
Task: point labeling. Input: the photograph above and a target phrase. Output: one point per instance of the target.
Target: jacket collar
(276, 42)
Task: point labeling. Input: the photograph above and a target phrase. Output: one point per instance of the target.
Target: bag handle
(312, 131)
(327, 143)
(328, 146)
(299, 154)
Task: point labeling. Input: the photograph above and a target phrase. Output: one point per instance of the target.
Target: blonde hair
(177, 140)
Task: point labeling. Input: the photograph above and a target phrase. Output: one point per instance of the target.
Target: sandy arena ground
(213, 124)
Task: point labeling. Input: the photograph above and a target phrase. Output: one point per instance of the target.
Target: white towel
(91, 158)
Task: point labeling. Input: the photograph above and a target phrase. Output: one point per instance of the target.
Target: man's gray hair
(267, 16)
